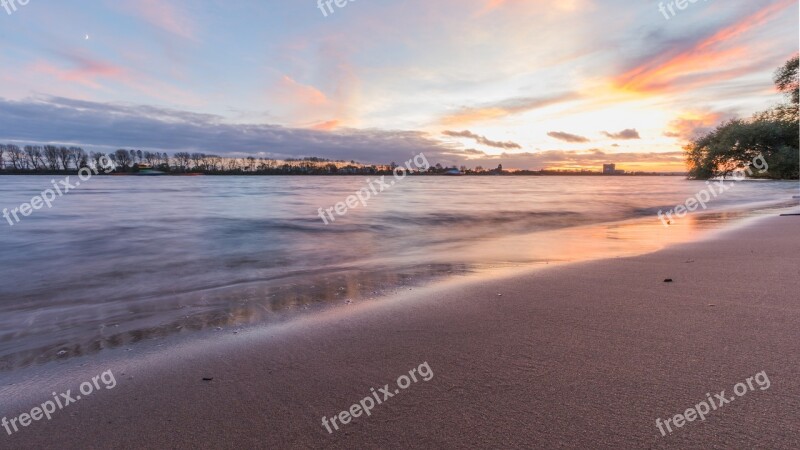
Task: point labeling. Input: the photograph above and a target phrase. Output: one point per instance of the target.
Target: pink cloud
(326, 126)
(97, 74)
(307, 106)
(87, 72)
(304, 94)
(163, 15)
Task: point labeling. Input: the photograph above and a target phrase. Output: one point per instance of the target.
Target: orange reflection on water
(593, 242)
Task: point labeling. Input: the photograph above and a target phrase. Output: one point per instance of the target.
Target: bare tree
(123, 158)
(182, 160)
(51, 156)
(204, 162)
(151, 158)
(16, 156)
(232, 164)
(64, 157)
(197, 159)
(77, 156)
(98, 158)
(34, 154)
(214, 162)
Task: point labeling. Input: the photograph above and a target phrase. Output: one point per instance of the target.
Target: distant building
(611, 169)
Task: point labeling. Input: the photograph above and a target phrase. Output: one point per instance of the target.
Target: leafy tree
(787, 81)
(736, 143)
(773, 134)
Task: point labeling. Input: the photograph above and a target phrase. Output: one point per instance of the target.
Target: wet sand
(586, 355)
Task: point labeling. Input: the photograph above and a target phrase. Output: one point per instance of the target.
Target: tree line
(60, 159)
(42, 158)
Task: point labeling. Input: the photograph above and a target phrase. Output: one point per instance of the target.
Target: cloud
(86, 72)
(78, 68)
(481, 139)
(696, 61)
(626, 134)
(302, 93)
(504, 108)
(303, 105)
(692, 124)
(163, 15)
(567, 137)
(327, 126)
(108, 126)
(542, 6)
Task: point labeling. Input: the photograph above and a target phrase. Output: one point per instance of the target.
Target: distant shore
(541, 359)
(546, 173)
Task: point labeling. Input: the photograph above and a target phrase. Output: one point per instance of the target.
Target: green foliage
(787, 80)
(773, 134)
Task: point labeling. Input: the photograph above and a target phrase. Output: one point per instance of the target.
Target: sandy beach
(586, 355)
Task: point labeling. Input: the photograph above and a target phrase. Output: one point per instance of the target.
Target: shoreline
(542, 364)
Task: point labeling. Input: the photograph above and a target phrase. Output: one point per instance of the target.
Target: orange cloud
(491, 5)
(660, 73)
(688, 125)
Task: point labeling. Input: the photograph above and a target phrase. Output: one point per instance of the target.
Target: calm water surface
(124, 259)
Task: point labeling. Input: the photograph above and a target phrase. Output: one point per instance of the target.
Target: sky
(530, 84)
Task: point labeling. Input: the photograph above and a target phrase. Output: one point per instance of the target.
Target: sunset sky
(526, 83)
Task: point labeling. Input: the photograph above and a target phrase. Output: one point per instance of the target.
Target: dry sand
(580, 356)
